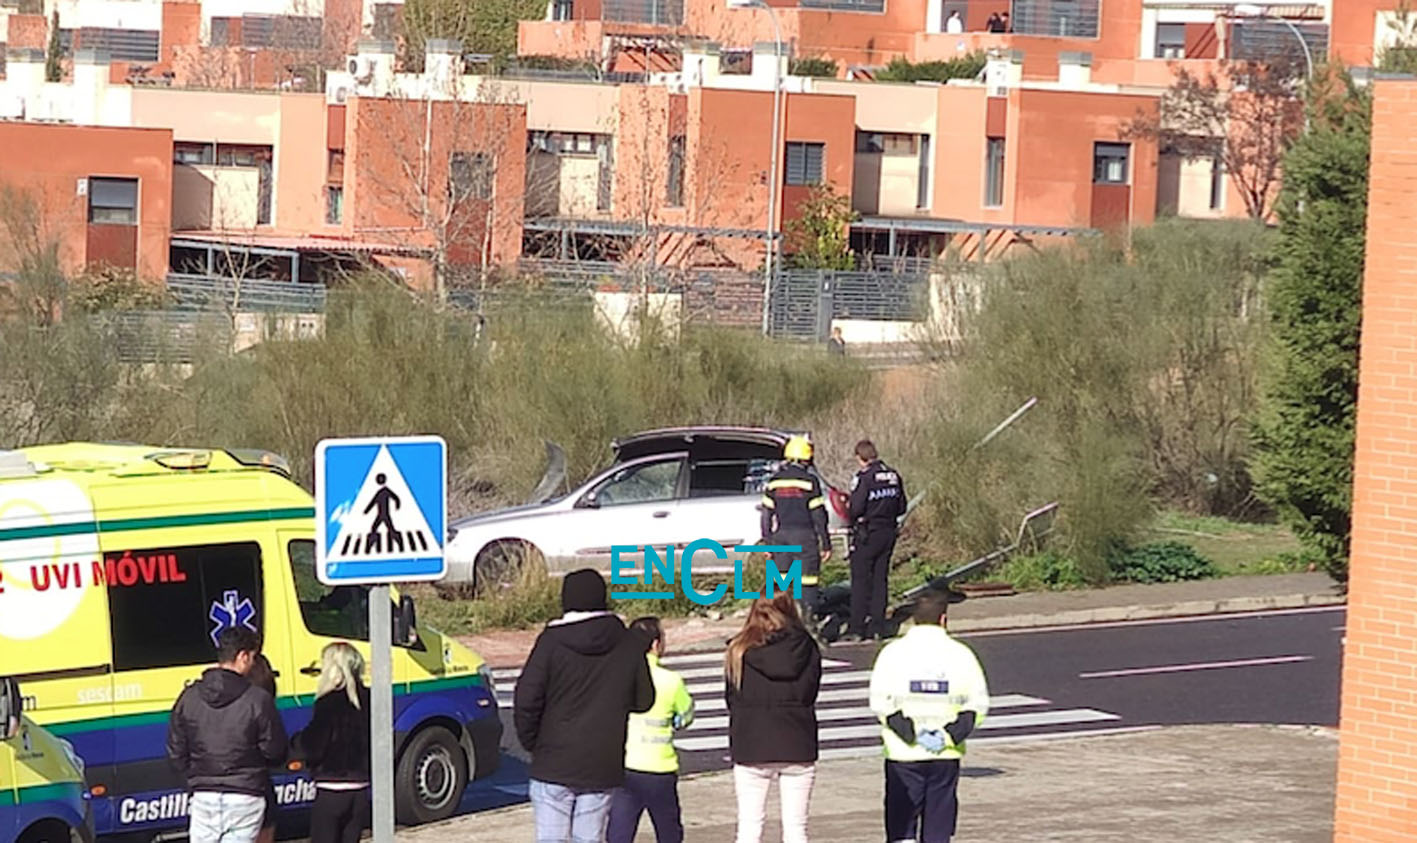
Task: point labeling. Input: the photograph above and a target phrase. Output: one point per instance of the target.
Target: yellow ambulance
(41, 780)
(119, 566)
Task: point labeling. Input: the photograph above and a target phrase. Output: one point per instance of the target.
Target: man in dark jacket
(224, 735)
(877, 502)
(586, 674)
(794, 513)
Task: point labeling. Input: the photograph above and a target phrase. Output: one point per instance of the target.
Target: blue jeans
(568, 815)
(224, 817)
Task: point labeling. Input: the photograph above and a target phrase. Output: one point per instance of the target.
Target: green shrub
(813, 66)
(1048, 571)
(1160, 562)
(902, 70)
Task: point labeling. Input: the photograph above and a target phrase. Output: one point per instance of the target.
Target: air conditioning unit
(337, 95)
(361, 68)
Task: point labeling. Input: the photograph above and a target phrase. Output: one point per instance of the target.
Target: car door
(636, 503)
(724, 498)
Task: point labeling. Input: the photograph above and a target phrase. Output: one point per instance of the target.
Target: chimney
(373, 67)
(442, 66)
(763, 61)
(1003, 69)
(24, 82)
(90, 86)
(1074, 69)
(700, 63)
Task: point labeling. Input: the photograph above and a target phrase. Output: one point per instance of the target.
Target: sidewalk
(505, 648)
(1188, 783)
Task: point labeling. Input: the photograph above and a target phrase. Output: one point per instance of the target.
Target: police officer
(795, 513)
(877, 502)
(929, 693)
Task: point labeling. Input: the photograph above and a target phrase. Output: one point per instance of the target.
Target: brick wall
(1377, 773)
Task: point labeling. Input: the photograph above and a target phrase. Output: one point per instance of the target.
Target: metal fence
(1057, 18)
(163, 336)
(200, 292)
(804, 302)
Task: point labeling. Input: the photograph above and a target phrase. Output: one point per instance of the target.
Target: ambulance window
(330, 611)
(166, 605)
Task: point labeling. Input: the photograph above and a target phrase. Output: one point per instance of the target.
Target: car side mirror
(590, 501)
(406, 622)
(10, 705)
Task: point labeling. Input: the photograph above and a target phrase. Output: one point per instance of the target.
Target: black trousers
(811, 564)
(339, 816)
(656, 792)
(921, 800)
(871, 550)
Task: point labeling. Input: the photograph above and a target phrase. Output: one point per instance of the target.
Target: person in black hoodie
(336, 747)
(223, 736)
(774, 669)
(586, 674)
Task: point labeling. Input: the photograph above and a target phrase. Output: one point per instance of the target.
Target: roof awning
(278, 244)
(932, 225)
(1293, 11)
(633, 229)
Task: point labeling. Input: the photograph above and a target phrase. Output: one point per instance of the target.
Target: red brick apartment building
(1377, 770)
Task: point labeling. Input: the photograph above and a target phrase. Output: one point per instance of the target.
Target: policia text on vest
(659, 568)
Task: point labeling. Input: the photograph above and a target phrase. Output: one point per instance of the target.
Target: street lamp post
(771, 232)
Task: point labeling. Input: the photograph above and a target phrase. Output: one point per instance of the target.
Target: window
(221, 32)
(1056, 18)
(235, 155)
(887, 143)
(994, 173)
(674, 192)
(563, 143)
(334, 204)
(643, 483)
(340, 611)
(1217, 184)
(804, 163)
(187, 152)
(716, 478)
(922, 185)
(562, 9)
(334, 167)
(113, 201)
(1109, 162)
(605, 179)
(167, 606)
(469, 176)
(1170, 40)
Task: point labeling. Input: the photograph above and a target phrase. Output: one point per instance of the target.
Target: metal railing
(1057, 18)
(199, 292)
(845, 5)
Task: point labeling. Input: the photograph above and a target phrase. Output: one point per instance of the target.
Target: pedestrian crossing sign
(381, 510)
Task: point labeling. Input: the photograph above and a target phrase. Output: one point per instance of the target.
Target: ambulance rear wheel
(48, 832)
(430, 777)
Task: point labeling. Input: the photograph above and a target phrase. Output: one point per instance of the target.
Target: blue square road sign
(380, 510)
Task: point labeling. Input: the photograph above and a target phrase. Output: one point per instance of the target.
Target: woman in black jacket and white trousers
(774, 669)
(336, 748)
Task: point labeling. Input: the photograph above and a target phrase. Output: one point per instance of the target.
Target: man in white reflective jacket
(929, 692)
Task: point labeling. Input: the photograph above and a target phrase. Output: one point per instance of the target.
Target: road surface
(1263, 667)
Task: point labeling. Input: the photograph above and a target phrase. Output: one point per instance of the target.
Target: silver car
(666, 489)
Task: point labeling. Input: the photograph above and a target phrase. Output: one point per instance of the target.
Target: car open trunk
(705, 442)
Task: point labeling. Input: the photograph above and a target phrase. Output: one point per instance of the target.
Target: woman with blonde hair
(773, 669)
(336, 748)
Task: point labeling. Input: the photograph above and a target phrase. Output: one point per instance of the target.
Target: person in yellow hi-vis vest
(929, 692)
(651, 762)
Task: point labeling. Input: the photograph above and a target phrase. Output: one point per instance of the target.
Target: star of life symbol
(233, 610)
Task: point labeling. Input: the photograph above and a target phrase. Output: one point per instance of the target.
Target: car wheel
(501, 565)
(430, 777)
(51, 831)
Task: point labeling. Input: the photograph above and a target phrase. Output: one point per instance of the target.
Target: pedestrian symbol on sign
(381, 509)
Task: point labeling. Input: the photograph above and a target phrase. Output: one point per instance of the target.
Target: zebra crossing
(846, 726)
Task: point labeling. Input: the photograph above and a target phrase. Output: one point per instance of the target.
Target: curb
(1103, 614)
(1188, 608)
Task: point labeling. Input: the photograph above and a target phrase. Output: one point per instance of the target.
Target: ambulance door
(167, 606)
(320, 614)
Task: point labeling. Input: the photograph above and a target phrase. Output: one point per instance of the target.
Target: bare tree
(443, 174)
(1244, 115)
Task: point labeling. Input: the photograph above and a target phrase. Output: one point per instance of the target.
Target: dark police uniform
(877, 502)
(795, 512)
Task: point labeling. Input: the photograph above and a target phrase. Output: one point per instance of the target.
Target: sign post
(382, 515)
